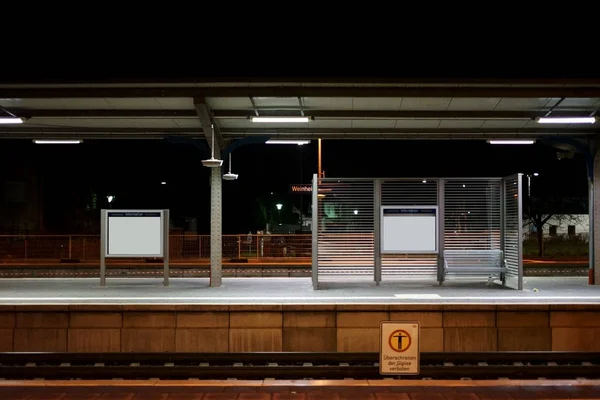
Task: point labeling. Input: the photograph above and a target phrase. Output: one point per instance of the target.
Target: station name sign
(306, 188)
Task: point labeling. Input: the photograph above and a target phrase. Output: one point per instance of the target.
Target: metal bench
(488, 263)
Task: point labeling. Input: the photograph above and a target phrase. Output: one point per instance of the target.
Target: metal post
(503, 216)
(216, 246)
(103, 248)
(377, 230)
(315, 233)
(591, 235)
(166, 249)
(70, 247)
(520, 229)
(319, 159)
(441, 201)
(239, 247)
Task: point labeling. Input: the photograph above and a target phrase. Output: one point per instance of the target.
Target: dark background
(65, 186)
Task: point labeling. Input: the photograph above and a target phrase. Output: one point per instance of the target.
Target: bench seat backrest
(474, 258)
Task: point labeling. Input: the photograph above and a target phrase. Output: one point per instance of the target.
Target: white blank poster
(134, 236)
(409, 233)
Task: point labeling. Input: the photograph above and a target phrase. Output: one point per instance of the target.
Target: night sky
(132, 170)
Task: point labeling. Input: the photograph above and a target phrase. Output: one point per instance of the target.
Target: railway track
(487, 365)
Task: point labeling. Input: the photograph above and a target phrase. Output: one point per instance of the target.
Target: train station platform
(537, 290)
(300, 390)
(286, 314)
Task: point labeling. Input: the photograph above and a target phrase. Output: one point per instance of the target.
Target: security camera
(212, 162)
(230, 177)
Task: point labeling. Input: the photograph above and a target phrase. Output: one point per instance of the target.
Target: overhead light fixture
(511, 141)
(566, 120)
(212, 162)
(281, 119)
(298, 142)
(229, 176)
(11, 120)
(57, 141)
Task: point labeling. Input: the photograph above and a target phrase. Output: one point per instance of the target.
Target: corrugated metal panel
(472, 214)
(417, 192)
(345, 229)
(512, 231)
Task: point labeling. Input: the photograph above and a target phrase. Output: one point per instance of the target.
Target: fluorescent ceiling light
(57, 141)
(10, 120)
(280, 119)
(566, 120)
(298, 142)
(511, 141)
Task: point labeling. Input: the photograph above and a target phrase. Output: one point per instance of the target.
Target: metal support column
(503, 216)
(216, 250)
(441, 201)
(520, 229)
(377, 230)
(103, 248)
(591, 236)
(166, 231)
(315, 232)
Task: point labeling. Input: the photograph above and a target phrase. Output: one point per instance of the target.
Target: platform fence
(473, 214)
(284, 248)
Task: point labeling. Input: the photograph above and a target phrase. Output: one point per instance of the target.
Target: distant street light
(355, 212)
(163, 183)
(110, 199)
(279, 206)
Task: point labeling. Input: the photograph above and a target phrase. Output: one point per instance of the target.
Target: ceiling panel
(467, 103)
(62, 104)
(102, 122)
(373, 123)
(504, 123)
(132, 104)
(585, 103)
(376, 103)
(187, 122)
(461, 123)
(425, 103)
(331, 123)
(229, 103)
(328, 103)
(274, 102)
(173, 103)
(515, 104)
(236, 123)
(417, 123)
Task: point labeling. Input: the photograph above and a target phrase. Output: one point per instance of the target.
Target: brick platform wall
(249, 328)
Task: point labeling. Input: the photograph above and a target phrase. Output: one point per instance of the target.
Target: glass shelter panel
(417, 192)
(345, 229)
(473, 216)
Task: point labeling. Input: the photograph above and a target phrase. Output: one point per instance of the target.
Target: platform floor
(537, 290)
(300, 390)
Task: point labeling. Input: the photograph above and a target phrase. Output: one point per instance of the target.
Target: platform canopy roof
(336, 109)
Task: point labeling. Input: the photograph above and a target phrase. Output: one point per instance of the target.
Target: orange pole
(320, 174)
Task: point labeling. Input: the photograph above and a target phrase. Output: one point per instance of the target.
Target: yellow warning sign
(399, 340)
(399, 353)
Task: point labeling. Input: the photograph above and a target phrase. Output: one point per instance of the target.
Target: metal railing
(290, 248)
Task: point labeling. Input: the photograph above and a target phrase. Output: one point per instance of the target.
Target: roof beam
(302, 91)
(319, 114)
(299, 132)
(207, 123)
(4, 79)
